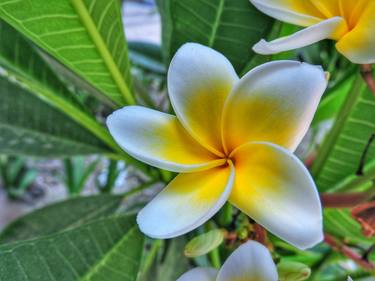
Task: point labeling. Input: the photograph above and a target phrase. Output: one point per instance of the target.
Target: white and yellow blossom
(250, 262)
(349, 22)
(232, 139)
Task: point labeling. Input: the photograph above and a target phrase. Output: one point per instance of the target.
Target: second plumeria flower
(251, 261)
(233, 139)
(349, 22)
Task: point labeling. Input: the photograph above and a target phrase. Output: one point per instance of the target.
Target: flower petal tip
(262, 48)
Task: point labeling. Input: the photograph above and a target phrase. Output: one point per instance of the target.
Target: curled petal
(199, 81)
(199, 274)
(251, 261)
(186, 203)
(159, 140)
(333, 28)
(273, 187)
(274, 102)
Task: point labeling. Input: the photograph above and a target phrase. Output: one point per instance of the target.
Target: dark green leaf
(231, 27)
(108, 249)
(30, 126)
(87, 36)
(60, 216)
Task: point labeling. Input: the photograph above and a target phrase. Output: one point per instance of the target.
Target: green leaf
(331, 104)
(107, 249)
(85, 35)
(204, 243)
(293, 271)
(147, 56)
(341, 152)
(231, 27)
(170, 264)
(60, 216)
(22, 61)
(30, 126)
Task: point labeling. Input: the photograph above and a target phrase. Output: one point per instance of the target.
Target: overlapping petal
(297, 12)
(274, 102)
(187, 202)
(250, 262)
(199, 274)
(158, 139)
(199, 81)
(274, 188)
(333, 28)
(358, 45)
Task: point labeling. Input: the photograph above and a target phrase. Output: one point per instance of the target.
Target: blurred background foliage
(65, 65)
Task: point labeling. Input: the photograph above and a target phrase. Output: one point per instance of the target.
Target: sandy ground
(142, 23)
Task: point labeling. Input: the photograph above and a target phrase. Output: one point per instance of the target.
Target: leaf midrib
(216, 23)
(102, 48)
(108, 254)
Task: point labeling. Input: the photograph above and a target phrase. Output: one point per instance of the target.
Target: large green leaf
(60, 216)
(108, 249)
(30, 126)
(24, 62)
(85, 35)
(342, 150)
(231, 27)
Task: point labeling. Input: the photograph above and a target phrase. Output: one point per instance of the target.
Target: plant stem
(346, 200)
(346, 251)
(366, 72)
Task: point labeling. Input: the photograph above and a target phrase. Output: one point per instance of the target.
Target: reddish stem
(343, 200)
(366, 72)
(348, 252)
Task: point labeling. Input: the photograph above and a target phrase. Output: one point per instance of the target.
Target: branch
(348, 252)
(366, 72)
(344, 200)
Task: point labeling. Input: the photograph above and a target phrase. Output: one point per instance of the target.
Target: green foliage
(147, 56)
(169, 263)
(107, 249)
(231, 27)
(15, 176)
(77, 174)
(293, 271)
(341, 152)
(60, 216)
(86, 36)
(31, 126)
(204, 243)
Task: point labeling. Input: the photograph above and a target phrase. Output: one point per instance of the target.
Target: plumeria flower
(349, 22)
(231, 139)
(251, 262)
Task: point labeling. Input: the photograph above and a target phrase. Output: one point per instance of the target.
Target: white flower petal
(199, 274)
(186, 203)
(199, 81)
(250, 262)
(296, 12)
(159, 140)
(274, 188)
(274, 102)
(332, 28)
